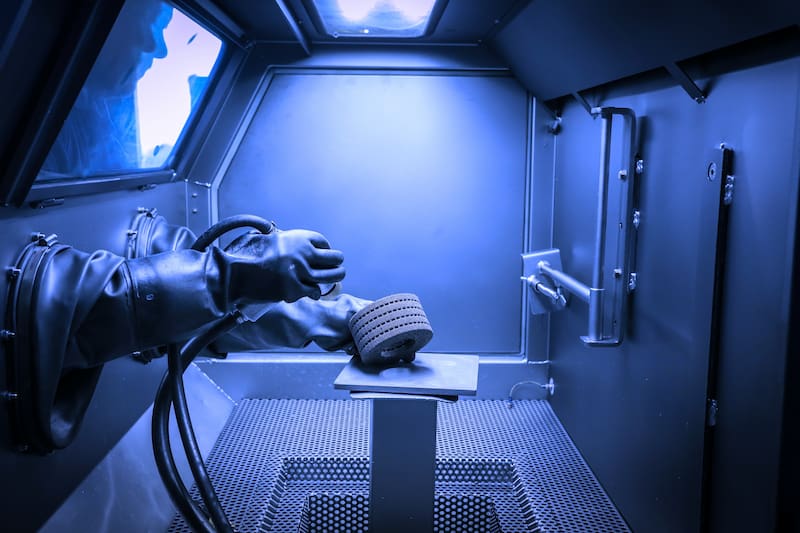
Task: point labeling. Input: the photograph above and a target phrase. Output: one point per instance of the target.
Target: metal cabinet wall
(35, 486)
(638, 412)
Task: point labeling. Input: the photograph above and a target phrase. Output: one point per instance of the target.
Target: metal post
(596, 300)
(403, 464)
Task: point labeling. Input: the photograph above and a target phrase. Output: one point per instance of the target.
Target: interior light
(375, 18)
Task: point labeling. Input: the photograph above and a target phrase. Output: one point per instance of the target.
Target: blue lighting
(375, 18)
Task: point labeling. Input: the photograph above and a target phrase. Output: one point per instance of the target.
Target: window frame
(185, 150)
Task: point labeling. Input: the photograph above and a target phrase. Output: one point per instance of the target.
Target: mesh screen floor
(303, 465)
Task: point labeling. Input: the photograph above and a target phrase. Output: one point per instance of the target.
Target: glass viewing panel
(375, 18)
(139, 97)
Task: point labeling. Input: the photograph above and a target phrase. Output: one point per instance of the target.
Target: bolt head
(711, 171)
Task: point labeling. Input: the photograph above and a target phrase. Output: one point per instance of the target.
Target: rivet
(194, 211)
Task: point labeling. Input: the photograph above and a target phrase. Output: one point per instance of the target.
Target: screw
(194, 195)
(639, 166)
(617, 272)
(711, 173)
(37, 236)
(132, 233)
(13, 272)
(637, 218)
(7, 335)
(141, 210)
(194, 211)
(623, 175)
(6, 395)
(632, 282)
(728, 196)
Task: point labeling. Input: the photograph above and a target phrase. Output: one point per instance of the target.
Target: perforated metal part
(391, 329)
(350, 513)
(285, 465)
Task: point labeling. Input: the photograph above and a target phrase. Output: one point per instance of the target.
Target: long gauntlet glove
(81, 310)
(296, 325)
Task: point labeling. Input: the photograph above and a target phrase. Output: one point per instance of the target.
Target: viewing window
(141, 93)
(375, 18)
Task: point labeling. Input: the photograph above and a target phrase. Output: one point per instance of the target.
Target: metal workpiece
(390, 330)
(613, 278)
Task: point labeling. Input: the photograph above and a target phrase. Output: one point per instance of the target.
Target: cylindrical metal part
(565, 280)
(595, 314)
(602, 202)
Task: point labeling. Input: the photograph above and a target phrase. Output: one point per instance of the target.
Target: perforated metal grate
(285, 465)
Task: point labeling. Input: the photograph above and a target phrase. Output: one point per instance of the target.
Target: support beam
(686, 82)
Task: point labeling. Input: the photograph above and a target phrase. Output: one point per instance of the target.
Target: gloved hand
(281, 266)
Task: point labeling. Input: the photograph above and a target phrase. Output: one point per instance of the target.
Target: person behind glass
(101, 135)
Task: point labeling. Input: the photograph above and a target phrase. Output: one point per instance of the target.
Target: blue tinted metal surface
(441, 374)
(557, 48)
(126, 388)
(637, 412)
(420, 179)
(273, 376)
(755, 319)
(124, 491)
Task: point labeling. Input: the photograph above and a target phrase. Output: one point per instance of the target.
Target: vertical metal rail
(596, 299)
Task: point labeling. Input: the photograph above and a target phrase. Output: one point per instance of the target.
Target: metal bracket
(686, 82)
(720, 165)
(612, 284)
(584, 103)
(545, 295)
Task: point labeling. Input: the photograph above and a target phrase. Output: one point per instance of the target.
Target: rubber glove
(296, 325)
(281, 266)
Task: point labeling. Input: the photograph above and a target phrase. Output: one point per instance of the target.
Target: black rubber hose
(178, 362)
(231, 223)
(197, 519)
(171, 391)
